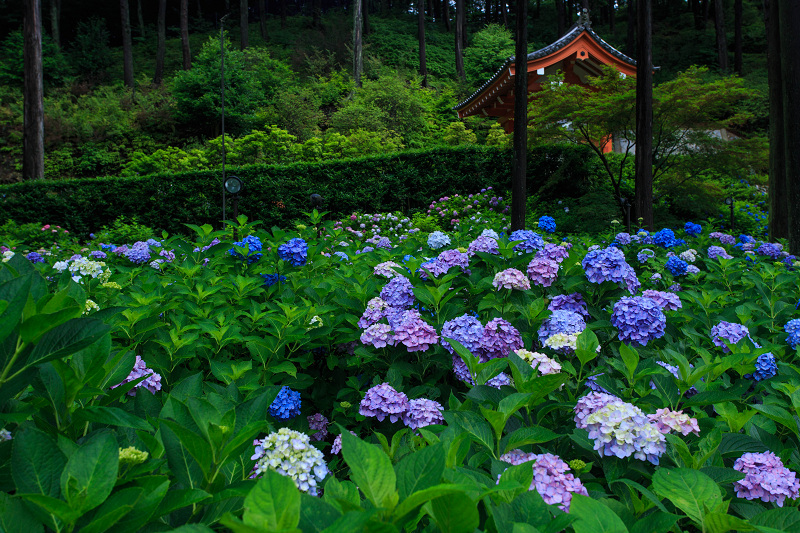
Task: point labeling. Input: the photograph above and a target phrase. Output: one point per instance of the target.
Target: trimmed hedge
(279, 194)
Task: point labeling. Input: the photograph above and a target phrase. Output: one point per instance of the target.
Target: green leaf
(53, 506)
(657, 522)
(420, 470)
(36, 462)
(112, 416)
(197, 446)
(513, 402)
(425, 495)
(594, 517)
(181, 463)
(722, 523)
(180, 498)
(15, 293)
(586, 347)
(455, 513)
(155, 489)
(689, 490)
(631, 359)
(778, 415)
(371, 470)
(66, 339)
(477, 428)
(341, 494)
(14, 516)
(527, 435)
(91, 472)
(273, 504)
(114, 508)
(316, 514)
(784, 519)
(644, 491)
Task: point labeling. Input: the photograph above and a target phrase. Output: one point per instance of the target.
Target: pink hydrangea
(414, 333)
(511, 278)
(765, 478)
(667, 421)
(550, 479)
(543, 271)
(383, 400)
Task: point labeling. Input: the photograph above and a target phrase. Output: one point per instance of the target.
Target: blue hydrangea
(252, 244)
(341, 255)
(531, 241)
(765, 367)
(139, 253)
(666, 238)
(467, 330)
(153, 242)
(97, 254)
(793, 329)
(286, 404)
(109, 247)
(437, 240)
(693, 229)
(272, 279)
(35, 257)
(295, 251)
(744, 239)
(561, 321)
(399, 292)
(547, 223)
(638, 320)
(609, 265)
(676, 266)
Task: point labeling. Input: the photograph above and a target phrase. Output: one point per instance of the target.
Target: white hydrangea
(7, 255)
(290, 454)
(490, 233)
(84, 267)
(559, 341)
(539, 361)
(437, 240)
(90, 306)
(690, 255)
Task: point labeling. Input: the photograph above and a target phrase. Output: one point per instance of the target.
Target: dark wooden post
(423, 69)
(162, 41)
(789, 20)
(358, 60)
(778, 194)
(187, 53)
(127, 47)
(519, 176)
(33, 99)
(644, 115)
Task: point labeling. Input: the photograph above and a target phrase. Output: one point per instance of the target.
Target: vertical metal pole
(235, 215)
(222, 92)
(731, 216)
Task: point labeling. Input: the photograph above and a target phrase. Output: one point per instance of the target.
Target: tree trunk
(463, 14)
(140, 19)
(423, 69)
(55, 16)
(737, 40)
(358, 60)
(262, 16)
(504, 11)
(519, 177)
(446, 15)
(643, 202)
(162, 41)
(283, 13)
(460, 41)
(187, 53)
(778, 193)
(127, 47)
(612, 14)
(630, 37)
(561, 16)
(722, 40)
(244, 24)
(33, 99)
(789, 22)
(365, 16)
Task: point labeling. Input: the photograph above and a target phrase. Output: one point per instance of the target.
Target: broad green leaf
(181, 463)
(420, 470)
(316, 514)
(779, 415)
(594, 517)
(14, 516)
(155, 489)
(528, 507)
(644, 491)
(477, 428)
(53, 506)
(784, 519)
(657, 522)
(522, 527)
(586, 346)
(722, 523)
(66, 339)
(513, 402)
(112, 416)
(455, 513)
(196, 445)
(15, 293)
(180, 498)
(689, 490)
(341, 494)
(426, 495)
(273, 504)
(91, 472)
(36, 462)
(371, 470)
(114, 508)
(631, 359)
(527, 435)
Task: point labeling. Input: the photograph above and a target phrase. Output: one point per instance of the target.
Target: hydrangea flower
(531, 241)
(511, 278)
(423, 412)
(152, 383)
(139, 253)
(453, 258)
(693, 229)
(376, 310)
(770, 249)
(547, 224)
(399, 292)
(667, 421)
(638, 320)
(539, 361)
(665, 300)
(621, 429)
(728, 331)
(623, 238)
(561, 322)
(727, 239)
(492, 234)
(386, 269)
(35, 257)
(5, 435)
(569, 302)
(766, 367)
(550, 479)
(543, 271)
(252, 244)
(272, 279)
(97, 254)
(765, 478)
(555, 252)
(465, 329)
(676, 266)
(499, 339)
(692, 270)
(562, 342)
(590, 403)
(644, 255)
(414, 333)
(793, 329)
(336, 447)
(437, 240)
(383, 400)
(286, 405)
(690, 255)
(319, 423)
(294, 252)
(484, 243)
(718, 251)
(666, 238)
(608, 264)
(290, 454)
(378, 335)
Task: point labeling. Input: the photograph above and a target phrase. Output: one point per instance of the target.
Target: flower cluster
(437, 240)
(565, 322)
(35, 257)
(609, 265)
(319, 423)
(138, 253)
(252, 244)
(665, 300)
(539, 361)
(644, 255)
(483, 243)
(294, 252)
(554, 252)
(569, 302)
(383, 400)
(286, 405)
(690, 255)
(718, 251)
(770, 249)
(667, 421)
(386, 269)
(413, 332)
(499, 339)
(151, 383)
(621, 429)
(676, 266)
(550, 479)
(547, 224)
(272, 279)
(638, 319)
(693, 229)
(511, 278)
(465, 329)
(728, 331)
(793, 329)
(81, 267)
(423, 412)
(562, 342)
(398, 292)
(531, 241)
(766, 367)
(765, 478)
(543, 271)
(666, 238)
(290, 454)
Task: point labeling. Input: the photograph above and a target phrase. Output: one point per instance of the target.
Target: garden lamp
(316, 201)
(233, 186)
(729, 202)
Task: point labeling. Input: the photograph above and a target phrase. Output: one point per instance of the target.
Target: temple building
(580, 53)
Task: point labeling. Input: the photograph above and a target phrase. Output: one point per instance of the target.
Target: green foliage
(54, 67)
(124, 230)
(487, 52)
(456, 133)
(90, 54)
(35, 235)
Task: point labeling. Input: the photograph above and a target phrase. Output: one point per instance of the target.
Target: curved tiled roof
(565, 40)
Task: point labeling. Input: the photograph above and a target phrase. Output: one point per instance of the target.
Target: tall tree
(55, 20)
(127, 47)
(365, 16)
(161, 27)
(460, 41)
(630, 36)
(140, 19)
(187, 53)
(244, 24)
(643, 202)
(423, 68)
(33, 99)
(561, 17)
(262, 18)
(358, 59)
(519, 177)
(737, 39)
(446, 15)
(789, 22)
(778, 194)
(722, 40)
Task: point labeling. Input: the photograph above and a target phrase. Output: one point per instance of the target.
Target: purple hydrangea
(561, 321)
(793, 329)
(98, 254)
(168, 255)
(453, 258)
(728, 331)
(727, 239)
(214, 242)
(638, 320)
(499, 339)
(252, 244)
(765, 478)
(151, 383)
(139, 253)
(399, 292)
(35, 257)
(423, 412)
(547, 224)
(621, 429)
(623, 238)
(294, 252)
(608, 264)
(550, 479)
(286, 405)
(555, 252)
(465, 329)
(644, 255)
(511, 278)
(383, 400)
(665, 300)
(676, 266)
(531, 241)
(543, 271)
(378, 335)
(376, 310)
(667, 421)
(590, 403)
(770, 249)
(718, 251)
(485, 244)
(414, 333)
(569, 302)
(319, 423)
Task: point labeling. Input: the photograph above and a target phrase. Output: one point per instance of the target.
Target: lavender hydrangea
(543, 271)
(550, 479)
(437, 240)
(423, 412)
(151, 383)
(621, 429)
(465, 329)
(608, 264)
(414, 333)
(252, 244)
(561, 322)
(290, 454)
(676, 266)
(294, 252)
(376, 310)
(728, 331)
(539, 361)
(485, 244)
(139, 253)
(765, 478)
(793, 329)
(770, 249)
(531, 241)
(499, 338)
(98, 254)
(319, 423)
(727, 239)
(718, 251)
(35, 257)
(667, 421)
(590, 403)
(554, 252)
(644, 255)
(286, 405)
(511, 278)
(569, 302)
(378, 335)
(665, 300)
(383, 400)
(623, 238)
(638, 320)
(399, 292)
(386, 269)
